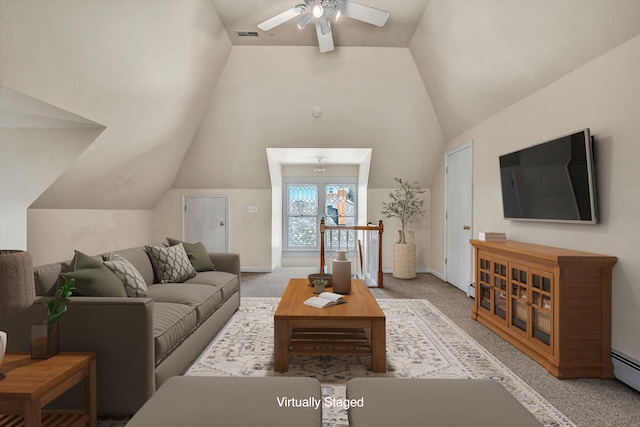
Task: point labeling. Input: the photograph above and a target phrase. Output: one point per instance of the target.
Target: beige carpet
(421, 343)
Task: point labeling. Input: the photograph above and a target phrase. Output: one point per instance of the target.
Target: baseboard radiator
(626, 369)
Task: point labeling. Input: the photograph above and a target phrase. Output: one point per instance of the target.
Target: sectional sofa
(141, 337)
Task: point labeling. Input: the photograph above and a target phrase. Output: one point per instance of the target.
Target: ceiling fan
(325, 12)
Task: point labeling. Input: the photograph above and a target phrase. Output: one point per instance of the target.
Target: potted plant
(45, 336)
(405, 203)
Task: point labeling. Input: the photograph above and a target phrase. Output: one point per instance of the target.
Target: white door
(205, 220)
(459, 184)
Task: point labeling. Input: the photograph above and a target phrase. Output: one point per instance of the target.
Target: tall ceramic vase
(341, 273)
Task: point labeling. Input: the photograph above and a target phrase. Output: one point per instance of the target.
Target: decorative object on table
(319, 286)
(3, 347)
(45, 336)
(405, 203)
(17, 286)
(321, 276)
(341, 273)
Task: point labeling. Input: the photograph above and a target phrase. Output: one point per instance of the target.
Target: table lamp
(17, 287)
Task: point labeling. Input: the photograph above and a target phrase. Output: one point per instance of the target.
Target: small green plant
(57, 306)
(321, 282)
(404, 204)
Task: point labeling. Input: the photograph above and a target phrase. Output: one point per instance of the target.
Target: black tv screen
(552, 181)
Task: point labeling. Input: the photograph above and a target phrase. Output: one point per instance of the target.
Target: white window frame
(321, 183)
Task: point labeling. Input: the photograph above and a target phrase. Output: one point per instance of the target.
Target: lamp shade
(17, 284)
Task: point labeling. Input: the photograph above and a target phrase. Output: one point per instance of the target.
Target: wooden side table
(31, 384)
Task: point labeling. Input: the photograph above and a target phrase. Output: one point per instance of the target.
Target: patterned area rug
(421, 343)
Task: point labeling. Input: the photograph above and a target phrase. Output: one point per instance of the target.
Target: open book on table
(325, 299)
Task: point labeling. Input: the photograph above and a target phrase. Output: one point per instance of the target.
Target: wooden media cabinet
(553, 304)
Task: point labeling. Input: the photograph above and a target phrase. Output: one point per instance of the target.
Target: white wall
(86, 230)
(603, 95)
(249, 233)
(370, 98)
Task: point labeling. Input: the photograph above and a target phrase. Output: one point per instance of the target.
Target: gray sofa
(140, 341)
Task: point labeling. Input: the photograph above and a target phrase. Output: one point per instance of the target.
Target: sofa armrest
(118, 330)
(225, 261)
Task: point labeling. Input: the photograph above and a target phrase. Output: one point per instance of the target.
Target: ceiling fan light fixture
(332, 12)
(325, 28)
(317, 10)
(303, 20)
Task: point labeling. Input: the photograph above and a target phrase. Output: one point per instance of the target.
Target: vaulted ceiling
(147, 69)
(476, 57)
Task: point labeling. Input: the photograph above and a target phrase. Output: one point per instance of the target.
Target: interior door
(459, 185)
(205, 220)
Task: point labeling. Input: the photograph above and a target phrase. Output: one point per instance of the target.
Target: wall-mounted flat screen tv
(552, 181)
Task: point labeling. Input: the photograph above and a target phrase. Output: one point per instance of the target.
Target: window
(307, 202)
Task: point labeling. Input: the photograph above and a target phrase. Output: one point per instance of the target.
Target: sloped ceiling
(476, 57)
(144, 69)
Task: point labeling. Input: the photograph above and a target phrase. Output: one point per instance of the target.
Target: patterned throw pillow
(133, 282)
(197, 254)
(171, 264)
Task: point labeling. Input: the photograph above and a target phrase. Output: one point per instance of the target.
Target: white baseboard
(256, 270)
(438, 275)
(389, 270)
(626, 369)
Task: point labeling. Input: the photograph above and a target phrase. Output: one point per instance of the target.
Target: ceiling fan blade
(325, 41)
(281, 18)
(364, 13)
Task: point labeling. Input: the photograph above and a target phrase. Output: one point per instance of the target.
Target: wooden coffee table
(357, 328)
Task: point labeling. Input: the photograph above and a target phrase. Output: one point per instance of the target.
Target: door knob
(466, 227)
(221, 222)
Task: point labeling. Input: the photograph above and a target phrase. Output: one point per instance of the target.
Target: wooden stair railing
(370, 227)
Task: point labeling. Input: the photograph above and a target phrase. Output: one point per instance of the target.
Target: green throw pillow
(93, 279)
(197, 253)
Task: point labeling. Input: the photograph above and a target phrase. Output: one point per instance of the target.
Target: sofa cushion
(434, 402)
(232, 402)
(47, 278)
(197, 254)
(170, 264)
(227, 283)
(205, 299)
(139, 258)
(172, 323)
(130, 277)
(93, 279)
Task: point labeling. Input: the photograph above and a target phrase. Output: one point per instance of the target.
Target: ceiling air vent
(246, 33)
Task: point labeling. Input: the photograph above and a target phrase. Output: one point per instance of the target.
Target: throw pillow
(171, 264)
(130, 277)
(197, 254)
(92, 278)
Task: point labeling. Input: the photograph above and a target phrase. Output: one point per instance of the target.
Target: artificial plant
(405, 204)
(57, 306)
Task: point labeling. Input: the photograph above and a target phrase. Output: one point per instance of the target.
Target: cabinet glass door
(500, 288)
(541, 304)
(519, 288)
(485, 283)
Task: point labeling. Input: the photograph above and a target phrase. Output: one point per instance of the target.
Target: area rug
(421, 343)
